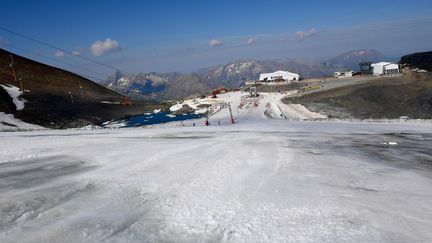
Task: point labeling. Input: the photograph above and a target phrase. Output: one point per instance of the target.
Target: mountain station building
(279, 76)
(382, 68)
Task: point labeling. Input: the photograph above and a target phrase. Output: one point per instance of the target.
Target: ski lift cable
(61, 49)
(65, 63)
(85, 75)
(74, 72)
(55, 60)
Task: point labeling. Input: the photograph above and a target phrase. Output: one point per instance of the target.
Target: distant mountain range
(175, 85)
(351, 59)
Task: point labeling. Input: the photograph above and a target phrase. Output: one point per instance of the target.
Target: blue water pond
(157, 118)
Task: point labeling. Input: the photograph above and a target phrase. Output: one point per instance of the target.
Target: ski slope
(259, 180)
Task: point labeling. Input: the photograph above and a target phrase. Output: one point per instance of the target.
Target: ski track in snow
(259, 180)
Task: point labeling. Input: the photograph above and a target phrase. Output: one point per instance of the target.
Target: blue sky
(187, 35)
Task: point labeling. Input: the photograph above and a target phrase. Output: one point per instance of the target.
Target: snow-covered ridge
(15, 93)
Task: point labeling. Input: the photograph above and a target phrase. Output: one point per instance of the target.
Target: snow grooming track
(206, 205)
(237, 229)
(273, 111)
(200, 206)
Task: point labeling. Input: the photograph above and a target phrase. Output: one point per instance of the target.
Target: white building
(344, 74)
(385, 68)
(278, 75)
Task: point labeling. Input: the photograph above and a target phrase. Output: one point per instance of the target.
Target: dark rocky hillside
(48, 92)
(421, 60)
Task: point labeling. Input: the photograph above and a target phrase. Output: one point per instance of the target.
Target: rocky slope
(387, 98)
(156, 86)
(421, 60)
(57, 98)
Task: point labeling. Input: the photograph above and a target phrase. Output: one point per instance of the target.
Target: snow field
(252, 181)
(260, 180)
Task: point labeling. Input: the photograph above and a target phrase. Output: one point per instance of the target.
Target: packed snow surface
(15, 93)
(259, 180)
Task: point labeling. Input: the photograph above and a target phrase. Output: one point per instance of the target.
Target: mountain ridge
(162, 86)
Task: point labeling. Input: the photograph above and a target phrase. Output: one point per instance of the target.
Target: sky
(167, 35)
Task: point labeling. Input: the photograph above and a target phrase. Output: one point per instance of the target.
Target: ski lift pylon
(11, 65)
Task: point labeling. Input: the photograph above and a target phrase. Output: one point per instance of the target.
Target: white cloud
(59, 54)
(100, 48)
(76, 53)
(303, 34)
(215, 43)
(251, 41)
